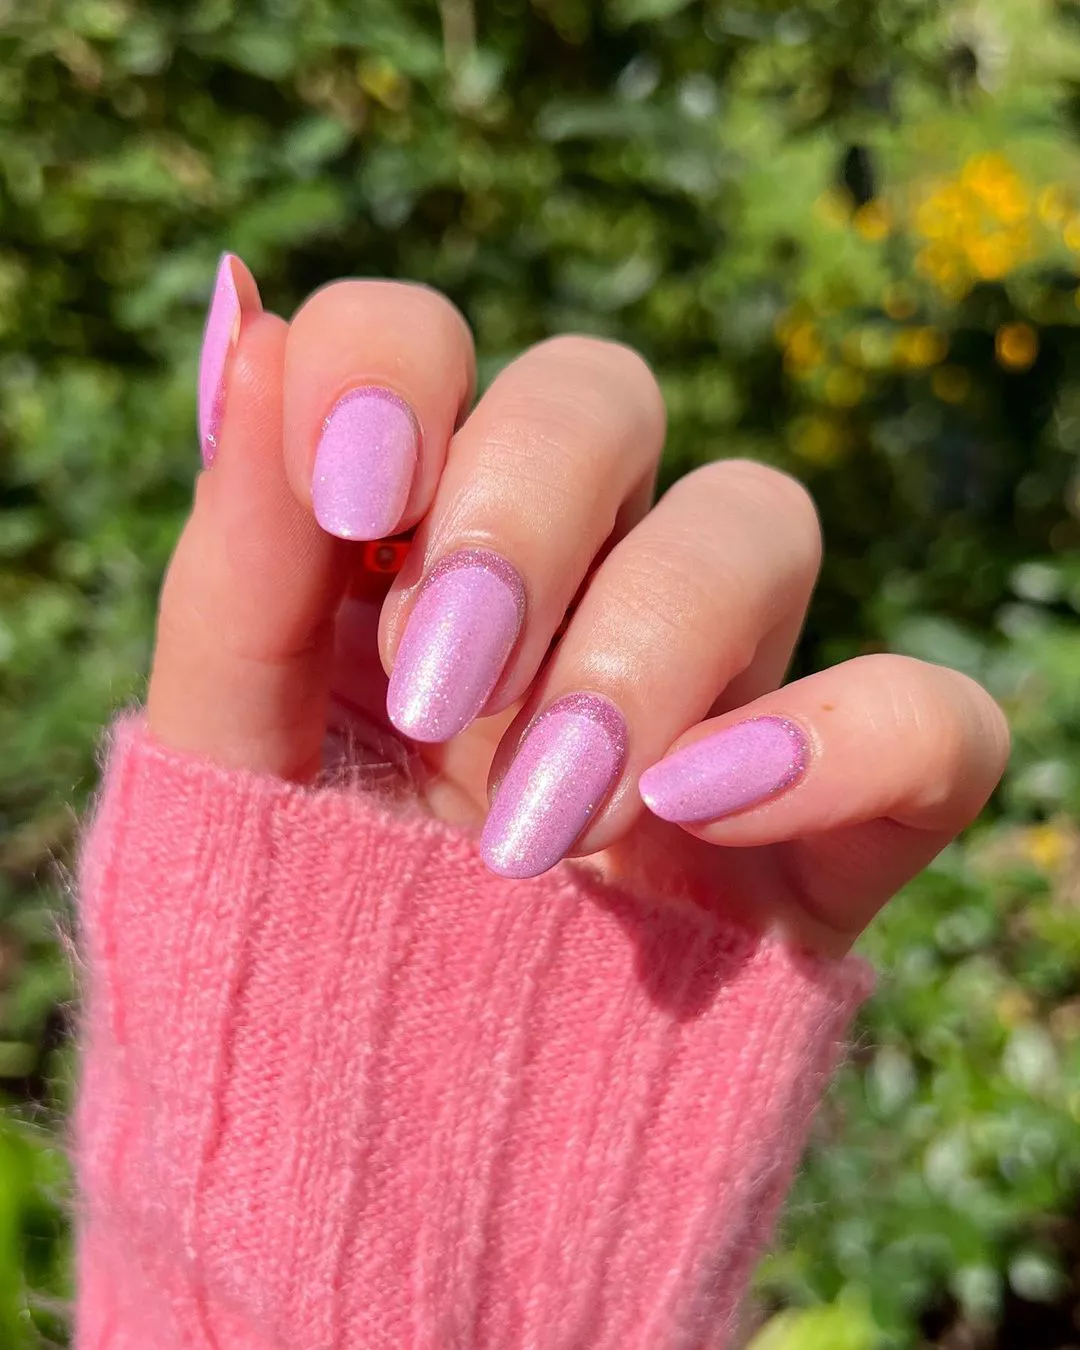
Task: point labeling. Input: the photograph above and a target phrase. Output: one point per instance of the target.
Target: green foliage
(951, 1141)
(843, 234)
(843, 1325)
(34, 1247)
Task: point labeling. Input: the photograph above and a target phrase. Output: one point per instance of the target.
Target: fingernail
(726, 772)
(219, 342)
(457, 641)
(564, 769)
(364, 464)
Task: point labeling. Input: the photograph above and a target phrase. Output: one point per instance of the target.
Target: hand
(802, 806)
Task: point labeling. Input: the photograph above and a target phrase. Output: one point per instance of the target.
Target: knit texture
(343, 1089)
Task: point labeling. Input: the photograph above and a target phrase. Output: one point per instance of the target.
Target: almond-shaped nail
(227, 307)
(364, 464)
(456, 643)
(567, 764)
(726, 772)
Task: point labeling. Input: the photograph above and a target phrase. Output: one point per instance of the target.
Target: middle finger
(558, 457)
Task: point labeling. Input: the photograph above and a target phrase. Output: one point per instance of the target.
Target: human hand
(678, 760)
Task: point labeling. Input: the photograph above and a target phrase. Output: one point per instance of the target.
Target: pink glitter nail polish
(219, 342)
(456, 643)
(735, 768)
(364, 464)
(568, 761)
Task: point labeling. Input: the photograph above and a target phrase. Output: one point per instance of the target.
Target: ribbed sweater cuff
(343, 1089)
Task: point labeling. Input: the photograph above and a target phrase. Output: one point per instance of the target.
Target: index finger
(377, 375)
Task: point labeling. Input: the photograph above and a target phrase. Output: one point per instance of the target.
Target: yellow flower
(1011, 202)
(985, 168)
(804, 349)
(979, 226)
(1016, 346)
(996, 183)
(992, 256)
(936, 217)
(1047, 846)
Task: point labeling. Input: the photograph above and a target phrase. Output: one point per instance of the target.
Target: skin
(684, 613)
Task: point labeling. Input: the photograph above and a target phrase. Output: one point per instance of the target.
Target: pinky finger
(862, 773)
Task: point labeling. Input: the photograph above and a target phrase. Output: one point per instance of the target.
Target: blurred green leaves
(34, 1252)
(846, 236)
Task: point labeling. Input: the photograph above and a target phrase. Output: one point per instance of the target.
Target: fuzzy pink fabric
(343, 1089)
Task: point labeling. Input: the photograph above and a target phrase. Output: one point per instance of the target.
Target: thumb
(245, 627)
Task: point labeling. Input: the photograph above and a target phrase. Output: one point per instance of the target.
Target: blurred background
(847, 235)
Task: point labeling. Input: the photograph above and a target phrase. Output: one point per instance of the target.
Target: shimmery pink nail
(364, 464)
(568, 762)
(735, 768)
(457, 641)
(219, 341)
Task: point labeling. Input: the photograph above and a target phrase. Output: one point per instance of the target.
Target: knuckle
(770, 490)
(566, 410)
(606, 375)
(662, 590)
(770, 511)
(532, 442)
(760, 487)
(526, 458)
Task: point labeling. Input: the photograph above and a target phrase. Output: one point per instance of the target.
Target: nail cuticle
(486, 559)
(800, 752)
(372, 390)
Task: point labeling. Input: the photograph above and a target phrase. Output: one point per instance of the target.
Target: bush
(841, 232)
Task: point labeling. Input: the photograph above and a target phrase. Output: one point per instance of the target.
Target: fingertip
(727, 771)
(651, 791)
(564, 770)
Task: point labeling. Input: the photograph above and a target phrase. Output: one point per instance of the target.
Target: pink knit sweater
(343, 1089)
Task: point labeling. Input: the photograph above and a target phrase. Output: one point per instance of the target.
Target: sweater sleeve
(343, 1089)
